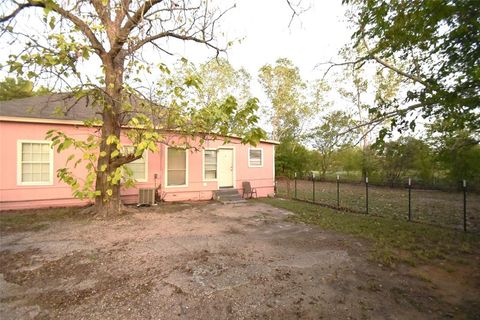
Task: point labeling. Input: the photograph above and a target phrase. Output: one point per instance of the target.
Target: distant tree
(15, 88)
(356, 84)
(348, 159)
(410, 157)
(12, 88)
(424, 164)
(221, 80)
(457, 151)
(289, 112)
(397, 158)
(331, 135)
(292, 157)
(285, 88)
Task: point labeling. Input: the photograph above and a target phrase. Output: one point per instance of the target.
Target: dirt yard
(212, 261)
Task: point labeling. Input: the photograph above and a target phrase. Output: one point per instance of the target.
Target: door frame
(234, 167)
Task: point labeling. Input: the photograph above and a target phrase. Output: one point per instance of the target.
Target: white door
(225, 168)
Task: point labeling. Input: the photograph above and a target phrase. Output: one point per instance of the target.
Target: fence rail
(452, 209)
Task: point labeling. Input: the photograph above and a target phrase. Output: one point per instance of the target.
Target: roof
(57, 108)
(61, 106)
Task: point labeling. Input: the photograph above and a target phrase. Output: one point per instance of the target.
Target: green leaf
(52, 22)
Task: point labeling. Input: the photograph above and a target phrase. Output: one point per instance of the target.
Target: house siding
(15, 196)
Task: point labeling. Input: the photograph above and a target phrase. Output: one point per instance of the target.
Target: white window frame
(253, 166)
(166, 168)
(203, 164)
(19, 164)
(145, 156)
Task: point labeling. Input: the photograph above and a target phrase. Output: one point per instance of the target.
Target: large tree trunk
(105, 204)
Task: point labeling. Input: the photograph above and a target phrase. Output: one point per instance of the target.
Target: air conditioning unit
(146, 196)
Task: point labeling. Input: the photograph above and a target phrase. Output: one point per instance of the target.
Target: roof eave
(80, 123)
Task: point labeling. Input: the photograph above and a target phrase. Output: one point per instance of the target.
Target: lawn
(394, 241)
(427, 206)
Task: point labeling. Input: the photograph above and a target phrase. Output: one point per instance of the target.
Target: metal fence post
(338, 191)
(366, 194)
(464, 205)
(295, 185)
(409, 199)
(313, 181)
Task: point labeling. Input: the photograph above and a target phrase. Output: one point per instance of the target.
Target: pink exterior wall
(261, 178)
(15, 196)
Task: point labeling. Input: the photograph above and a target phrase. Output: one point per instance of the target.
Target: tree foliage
(458, 152)
(285, 89)
(221, 80)
(404, 155)
(15, 88)
(292, 158)
(435, 45)
(332, 135)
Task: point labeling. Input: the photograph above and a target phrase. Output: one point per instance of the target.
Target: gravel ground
(211, 261)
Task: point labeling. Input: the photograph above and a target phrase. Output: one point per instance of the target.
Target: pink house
(28, 163)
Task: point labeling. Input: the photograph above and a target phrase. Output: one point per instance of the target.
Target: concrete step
(228, 196)
(234, 201)
(226, 191)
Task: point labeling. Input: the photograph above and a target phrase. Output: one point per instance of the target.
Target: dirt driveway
(202, 261)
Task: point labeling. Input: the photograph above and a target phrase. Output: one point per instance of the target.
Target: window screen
(177, 167)
(210, 165)
(255, 157)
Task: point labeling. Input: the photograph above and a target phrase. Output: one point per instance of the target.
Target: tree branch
(20, 8)
(146, 40)
(338, 64)
(65, 14)
(121, 160)
(131, 23)
(295, 12)
(383, 117)
(391, 67)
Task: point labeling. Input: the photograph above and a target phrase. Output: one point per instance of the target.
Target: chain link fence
(454, 209)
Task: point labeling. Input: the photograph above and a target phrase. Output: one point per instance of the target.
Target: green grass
(393, 241)
(34, 220)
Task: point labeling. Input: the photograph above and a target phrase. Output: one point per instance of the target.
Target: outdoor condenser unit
(146, 196)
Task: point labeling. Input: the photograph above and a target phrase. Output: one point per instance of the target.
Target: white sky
(263, 25)
(313, 37)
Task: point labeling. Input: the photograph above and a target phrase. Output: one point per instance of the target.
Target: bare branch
(20, 7)
(338, 64)
(391, 67)
(131, 23)
(383, 117)
(295, 11)
(173, 35)
(79, 23)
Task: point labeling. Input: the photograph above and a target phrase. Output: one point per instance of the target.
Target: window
(255, 157)
(210, 165)
(176, 167)
(35, 163)
(138, 167)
